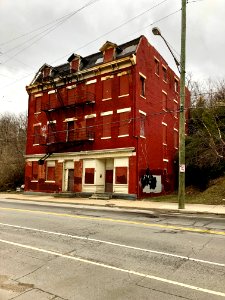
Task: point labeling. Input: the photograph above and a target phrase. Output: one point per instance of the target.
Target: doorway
(70, 187)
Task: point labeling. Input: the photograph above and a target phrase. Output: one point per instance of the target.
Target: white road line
(199, 289)
(116, 244)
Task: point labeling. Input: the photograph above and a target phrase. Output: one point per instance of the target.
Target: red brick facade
(116, 114)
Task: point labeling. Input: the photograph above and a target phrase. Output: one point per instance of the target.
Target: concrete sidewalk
(165, 207)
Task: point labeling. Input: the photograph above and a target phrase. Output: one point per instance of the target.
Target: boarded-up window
(106, 127)
(142, 125)
(176, 139)
(107, 89)
(34, 170)
(142, 86)
(90, 122)
(164, 134)
(70, 131)
(124, 123)
(176, 85)
(164, 101)
(37, 104)
(164, 70)
(121, 175)
(175, 106)
(90, 88)
(124, 85)
(71, 96)
(51, 133)
(36, 136)
(52, 100)
(89, 176)
(50, 171)
(156, 66)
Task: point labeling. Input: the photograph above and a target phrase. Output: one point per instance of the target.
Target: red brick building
(99, 123)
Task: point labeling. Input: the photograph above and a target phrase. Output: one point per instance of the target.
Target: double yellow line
(168, 227)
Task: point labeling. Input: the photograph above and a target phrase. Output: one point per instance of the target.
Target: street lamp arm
(156, 31)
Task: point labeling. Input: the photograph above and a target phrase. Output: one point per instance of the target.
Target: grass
(213, 195)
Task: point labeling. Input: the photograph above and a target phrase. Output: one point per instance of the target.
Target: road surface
(50, 251)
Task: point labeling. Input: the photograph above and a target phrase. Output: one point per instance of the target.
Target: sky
(35, 32)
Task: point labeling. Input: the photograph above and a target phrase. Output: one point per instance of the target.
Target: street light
(181, 68)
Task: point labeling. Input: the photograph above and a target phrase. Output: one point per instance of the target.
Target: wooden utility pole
(181, 188)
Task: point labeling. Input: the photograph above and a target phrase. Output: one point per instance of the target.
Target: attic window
(46, 72)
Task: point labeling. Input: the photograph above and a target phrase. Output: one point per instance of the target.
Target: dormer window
(109, 51)
(75, 62)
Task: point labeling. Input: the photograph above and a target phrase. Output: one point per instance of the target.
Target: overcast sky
(34, 32)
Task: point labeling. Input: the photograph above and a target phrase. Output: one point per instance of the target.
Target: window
(34, 170)
(90, 128)
(176, 138)
(89, 176)
(164, 100)
(124, 85)
(37, 104)
(37, 135)
(52, 99)
(164, 70)
(164, 133)
(90, 88)
(175, 108)
(156, 66)
(124, 123)
(51, 132)
(107, 89)
(50, 171)
(142, 86)
(107, 124)
(121, 175)
(176, 85)
(142, 124)
(70, 131)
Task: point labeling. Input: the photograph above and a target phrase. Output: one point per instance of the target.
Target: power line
(46, 31)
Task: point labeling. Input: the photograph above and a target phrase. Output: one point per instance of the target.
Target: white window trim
(90, 116)
(175, 129)
(125, 95)
(70, 87)
(106, 113)
(123, 73)
(165, 160)
(36, 124)
(91, 81)
(122, 110)
(52, 92)
(106, 137)
(106, 99)
(107, 77)
(163, 123)
(142, 112)
(50, 181)
(38, 95)
(123, 135)
(51, 122)
(175, 101)
(164, 92)
(142, 136)
(34, 181)
(142, 96)
(70, 119)
(142, 75)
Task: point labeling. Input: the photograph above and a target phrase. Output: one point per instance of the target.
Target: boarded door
(71, 180)
(109, 181)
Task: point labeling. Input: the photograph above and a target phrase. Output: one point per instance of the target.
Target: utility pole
(181, 188)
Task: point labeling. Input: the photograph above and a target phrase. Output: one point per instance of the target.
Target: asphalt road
(72, 252)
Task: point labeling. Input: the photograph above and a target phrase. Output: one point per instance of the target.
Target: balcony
(72, 99)
(62, 140)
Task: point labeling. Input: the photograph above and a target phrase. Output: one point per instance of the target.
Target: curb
(134, 209)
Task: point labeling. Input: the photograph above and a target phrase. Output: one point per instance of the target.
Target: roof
(89, 61)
